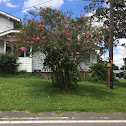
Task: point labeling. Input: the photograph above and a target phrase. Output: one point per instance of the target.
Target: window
(87, 59)
(8, 48)
(25, 53)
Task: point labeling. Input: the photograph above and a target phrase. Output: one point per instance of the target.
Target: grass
(38, 95)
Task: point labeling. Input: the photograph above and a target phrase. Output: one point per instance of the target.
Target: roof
(9, 31)
(9, 16)
(119, 71)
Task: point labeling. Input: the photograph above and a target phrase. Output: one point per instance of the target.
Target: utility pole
(110, 65)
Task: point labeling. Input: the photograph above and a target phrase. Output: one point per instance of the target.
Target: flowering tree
(64, 40)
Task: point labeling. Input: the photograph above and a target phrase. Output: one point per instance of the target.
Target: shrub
(8, 63)
(124, 76)
(90, 78)
(99, 70)
(120, 76)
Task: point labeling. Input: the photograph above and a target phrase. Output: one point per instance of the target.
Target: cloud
(118, 54)
(11, 5)
(43, 3)
(4, 1)
(95, 23)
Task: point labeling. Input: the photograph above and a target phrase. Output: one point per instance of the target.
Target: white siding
(5, 24)
(85, 66)
(26, 64)
(1, 46)
(37, 62)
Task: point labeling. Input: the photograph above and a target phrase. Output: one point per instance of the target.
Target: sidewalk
(20, 115)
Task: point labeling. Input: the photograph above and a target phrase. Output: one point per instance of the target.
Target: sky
(18, 8)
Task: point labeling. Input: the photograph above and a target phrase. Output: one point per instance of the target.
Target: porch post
(4, 46)
(30, 52)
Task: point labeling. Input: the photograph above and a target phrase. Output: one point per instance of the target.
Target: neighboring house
(28, 63)
(119, 72)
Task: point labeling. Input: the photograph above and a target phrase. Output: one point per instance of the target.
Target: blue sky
(11, 6)
(18, 8)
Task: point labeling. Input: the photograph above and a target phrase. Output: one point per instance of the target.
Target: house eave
(8, 32)
(9, 16)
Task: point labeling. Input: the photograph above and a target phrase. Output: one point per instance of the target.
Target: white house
(30, 64)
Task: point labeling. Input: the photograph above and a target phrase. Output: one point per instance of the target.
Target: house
(119, 72)
(28, 63)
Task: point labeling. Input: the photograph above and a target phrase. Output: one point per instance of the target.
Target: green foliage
(122, 67)
(120, 76)
(103, 14)
(65, 71)
(8, 63)
(38, 95)
(115, 67)
(124, 75)
(99, 70)
(63, 40)
(23, 74)
(90, 78)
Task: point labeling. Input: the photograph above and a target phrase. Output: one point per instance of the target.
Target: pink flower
(67, 22)
(22, 48)
(77, 56)
(44, 37)
(110, 27)
(100, 52)
(27, 37)
(9, 36)
(21, 33)
(7, 42)
(100, 36)
(67, 33)
(78, 43)
(95, 38)
(27, 41)
(77, 53)
(59, 17)
(10, 41)
(45, 9)
(69, 38)
(14, 36)
(41, 21)
(37, 38)
(66, 26)
(40, 25)
(63, 31)
(108, 58)
(38, 47)
(34, 39)
(87, 37)
(84, 41)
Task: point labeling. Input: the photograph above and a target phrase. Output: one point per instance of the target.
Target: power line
(31, 6)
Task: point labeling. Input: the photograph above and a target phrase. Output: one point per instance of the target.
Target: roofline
(9, 31)
(10, 16)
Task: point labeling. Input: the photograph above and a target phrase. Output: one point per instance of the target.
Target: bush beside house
(8, 63)
(99, 71)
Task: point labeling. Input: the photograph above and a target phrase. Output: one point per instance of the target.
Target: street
(65, 123)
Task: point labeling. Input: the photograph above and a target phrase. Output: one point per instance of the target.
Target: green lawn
(38, 95)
